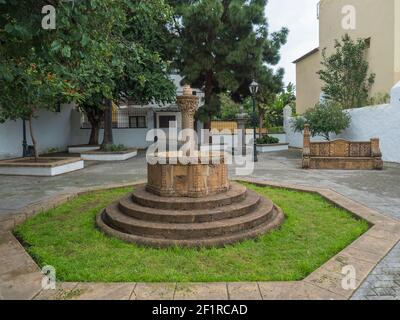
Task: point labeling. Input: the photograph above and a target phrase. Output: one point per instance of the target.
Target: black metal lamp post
(24, 143)
(253, 90)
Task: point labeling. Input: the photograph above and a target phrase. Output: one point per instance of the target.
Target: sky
(300, 16)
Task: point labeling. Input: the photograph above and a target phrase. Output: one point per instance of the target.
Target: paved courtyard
(378, 190)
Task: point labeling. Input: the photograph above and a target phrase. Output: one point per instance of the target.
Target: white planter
(264, 148)
(82, 148)
(108, 156)
(216, 147)
(63, 165)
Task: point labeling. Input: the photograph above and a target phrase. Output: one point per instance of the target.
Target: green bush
(116, 148)
(276, 130)
(325, 118)
(267, 140)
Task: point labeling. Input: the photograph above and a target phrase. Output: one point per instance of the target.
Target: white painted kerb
(108, 156)
(272, 148)
(42, 171)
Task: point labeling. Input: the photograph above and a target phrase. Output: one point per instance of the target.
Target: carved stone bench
(341, 154)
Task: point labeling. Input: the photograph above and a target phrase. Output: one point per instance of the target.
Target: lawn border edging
(325, 283)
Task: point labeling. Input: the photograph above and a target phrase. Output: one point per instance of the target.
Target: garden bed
(98, 155)
(45, 166)
(66, 238)
(264, 148)
(82, 148)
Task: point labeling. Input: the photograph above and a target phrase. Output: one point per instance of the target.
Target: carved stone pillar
(187, 104)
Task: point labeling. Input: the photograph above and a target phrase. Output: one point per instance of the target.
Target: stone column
(187, 104)
(241, 120)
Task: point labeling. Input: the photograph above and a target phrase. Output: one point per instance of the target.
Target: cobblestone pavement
(384, 282)
(379, 190)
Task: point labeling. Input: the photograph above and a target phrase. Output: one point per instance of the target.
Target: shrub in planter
(267, 140)
(325, 118)
(116, 148)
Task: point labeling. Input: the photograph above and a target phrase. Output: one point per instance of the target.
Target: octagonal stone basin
(200, 177)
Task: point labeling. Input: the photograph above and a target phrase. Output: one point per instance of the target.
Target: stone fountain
(189, 205)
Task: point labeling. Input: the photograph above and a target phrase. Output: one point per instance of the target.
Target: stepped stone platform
(225, 218)
(188, 200)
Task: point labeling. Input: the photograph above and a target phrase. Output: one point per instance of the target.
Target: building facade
(376, 21)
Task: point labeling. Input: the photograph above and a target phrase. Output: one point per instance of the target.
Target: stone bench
(341, 154)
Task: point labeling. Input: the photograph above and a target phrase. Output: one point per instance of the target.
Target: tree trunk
(108, 139)
(94, 133)
(34, 142)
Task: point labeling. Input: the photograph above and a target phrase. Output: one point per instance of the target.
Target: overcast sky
(300, 16)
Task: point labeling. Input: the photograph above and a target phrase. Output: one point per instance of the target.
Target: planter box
(47, 167)
(109, 156)
(216, 147)
(82, 148)
(264, 148)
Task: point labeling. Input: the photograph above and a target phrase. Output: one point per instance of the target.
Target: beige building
(377, 21)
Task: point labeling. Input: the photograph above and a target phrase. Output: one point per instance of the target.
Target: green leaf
(66, 52)
(55, 46)
(85, 40)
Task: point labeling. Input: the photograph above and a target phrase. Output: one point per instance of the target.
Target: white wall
(132, 138)
(52, 130)
(59, 130)
(381, 122)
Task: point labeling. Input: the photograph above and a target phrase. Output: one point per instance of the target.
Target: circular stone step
(144, 198)
(115, 218)
(275, 220)
(237, 209)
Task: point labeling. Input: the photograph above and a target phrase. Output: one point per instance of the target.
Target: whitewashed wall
(53, 130)
(59, 130)
(132, 138)
(381, 122)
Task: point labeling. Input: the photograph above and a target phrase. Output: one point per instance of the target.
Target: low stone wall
(369, 122)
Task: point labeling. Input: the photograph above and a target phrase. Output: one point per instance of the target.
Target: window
(137, 122)
(165, 120)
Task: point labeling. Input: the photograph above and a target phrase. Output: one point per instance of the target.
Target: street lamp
(253, 90)
(24, 143)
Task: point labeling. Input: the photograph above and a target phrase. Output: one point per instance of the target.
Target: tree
(27, 87)
(274, 111)
(325, 118)
(229, 109)
(29, 78)
(94, 56)
(345, 74)
(222, 46)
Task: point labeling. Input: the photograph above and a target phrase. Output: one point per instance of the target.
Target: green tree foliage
(223, 45)
(94, 56)
(345, 73)
(273, 109)
(324, 119)
(229, 109)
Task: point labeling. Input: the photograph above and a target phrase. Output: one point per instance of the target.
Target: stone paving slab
(295, 291)
(154, 291)
(103, 291)
(20, 277)
(244, 291)
(201, 291)
(63, 291)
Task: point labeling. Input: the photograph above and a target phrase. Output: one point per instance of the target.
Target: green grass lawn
(67, 238)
